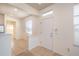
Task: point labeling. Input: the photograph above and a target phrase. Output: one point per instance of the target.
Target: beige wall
(36, 32)
(33, 40)
(63, 37)
(1, 18)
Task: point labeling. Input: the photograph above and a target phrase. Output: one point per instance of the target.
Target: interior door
(47, 32)
(11, 29)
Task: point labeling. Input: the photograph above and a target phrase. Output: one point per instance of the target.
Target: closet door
(47, 32)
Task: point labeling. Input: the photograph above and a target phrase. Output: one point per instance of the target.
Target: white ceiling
(21, 10)
(40, 6)
(12, 11)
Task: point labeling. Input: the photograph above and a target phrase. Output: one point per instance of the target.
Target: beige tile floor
(41, 51)
(19, 50)
(38, 51)
(19, 46)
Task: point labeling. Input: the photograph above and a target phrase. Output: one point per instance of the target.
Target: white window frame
(76, 30)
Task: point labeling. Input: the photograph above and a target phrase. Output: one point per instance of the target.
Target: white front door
(47, 32)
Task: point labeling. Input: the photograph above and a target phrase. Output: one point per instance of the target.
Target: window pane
(77, 35)
(29, 27)
(76, 9)
(76, 20)
(76, 24)
(1, 28)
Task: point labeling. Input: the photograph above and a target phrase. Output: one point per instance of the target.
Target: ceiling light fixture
(15, 9)
(47, 13)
